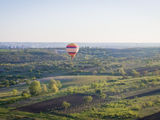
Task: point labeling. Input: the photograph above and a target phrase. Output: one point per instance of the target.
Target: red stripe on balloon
(69, 46)
(71, 53)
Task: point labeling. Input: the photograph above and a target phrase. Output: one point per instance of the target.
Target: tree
(53, 86)
(87, 99)
(14, 91)
(94, 85)
(103, 96)
(122, 72)
(57, 82)
(35, 88)
(66, 105)
(99, 91)
(25, 94)
(51, 83)
(59, 85)
(94, 72)
(28, 82)
(12, 82)
(44, 88)
(70, 90)
(6, 83)
(34, 78)
(134, 73)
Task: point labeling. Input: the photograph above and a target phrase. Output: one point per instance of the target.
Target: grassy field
(80, 80)
(126, 99)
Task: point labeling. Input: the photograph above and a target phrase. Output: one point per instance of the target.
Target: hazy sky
(79, 20)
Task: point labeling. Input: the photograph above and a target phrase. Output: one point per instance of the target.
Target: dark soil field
(76, 101)
(155, 116)
(145, 94)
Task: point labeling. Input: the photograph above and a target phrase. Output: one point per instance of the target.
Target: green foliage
(51, 82)
(122, 71)
(94, 85)
(87, 99)
(99, 91)
(25, 94)
(58, 83)
(35, 88)
(6, 83)
(53, 86)
(136, 107)
(134, 73)
(28, 82)
(14, 91)
(149, 103)
(32, 63)
(66, 105)
(103, 96)
(44, 88)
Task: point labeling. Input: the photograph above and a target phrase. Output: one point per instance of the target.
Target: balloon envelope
(72, 49)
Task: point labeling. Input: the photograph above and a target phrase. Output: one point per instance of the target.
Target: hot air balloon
(72, 49)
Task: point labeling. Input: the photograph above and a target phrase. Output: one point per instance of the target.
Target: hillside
(99, 84)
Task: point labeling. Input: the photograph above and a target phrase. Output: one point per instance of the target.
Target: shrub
(59, 85)
(103, 96)
(14, 91)
(51, 83)
(99, 91)
(53, 86)
(25, 94)
(87, 99)
(44, 88)
(134, 73)
(66, 105)
(149, 103)
(136, 107)
(35, 88)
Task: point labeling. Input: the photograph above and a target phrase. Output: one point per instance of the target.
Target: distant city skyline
(136, 21)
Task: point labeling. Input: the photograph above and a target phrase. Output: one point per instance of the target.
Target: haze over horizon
(115, 21)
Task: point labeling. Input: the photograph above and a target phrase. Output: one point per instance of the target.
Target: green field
(114, 105)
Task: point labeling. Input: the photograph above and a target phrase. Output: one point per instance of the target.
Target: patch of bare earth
(76, 101)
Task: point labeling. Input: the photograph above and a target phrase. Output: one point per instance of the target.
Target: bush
(94, 85)
(66, 105)
(59, 85)
(25, 94)
(149, 103)
(87, 99)
(99, 91)
(134, 73)
(44, 88)
(136, 107)
(53, 86)
(51, 83)
(35, 88)
(103, 96)
(14, 91)
(28, 82)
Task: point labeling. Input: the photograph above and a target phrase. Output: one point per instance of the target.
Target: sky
(80, 21)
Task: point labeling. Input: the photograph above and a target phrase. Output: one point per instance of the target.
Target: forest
(98, 84)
